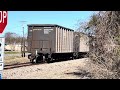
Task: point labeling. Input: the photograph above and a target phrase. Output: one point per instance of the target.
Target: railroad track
(22, 65)
(26, 64)
(19, 65)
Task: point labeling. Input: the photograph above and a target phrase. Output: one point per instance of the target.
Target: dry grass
(98, 72)
(12, 52)
(15, 60)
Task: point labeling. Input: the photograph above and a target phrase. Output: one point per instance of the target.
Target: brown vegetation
(106, 49)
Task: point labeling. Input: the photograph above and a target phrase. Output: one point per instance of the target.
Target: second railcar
(81, 44)
(49, 42)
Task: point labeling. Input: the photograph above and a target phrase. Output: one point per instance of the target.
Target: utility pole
(23, 41)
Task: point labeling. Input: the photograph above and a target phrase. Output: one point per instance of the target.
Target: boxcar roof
(49, 25)
(81, 33)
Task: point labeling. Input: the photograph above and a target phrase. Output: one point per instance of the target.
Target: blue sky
(67, 19)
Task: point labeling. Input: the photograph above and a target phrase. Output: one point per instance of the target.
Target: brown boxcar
(49, 42)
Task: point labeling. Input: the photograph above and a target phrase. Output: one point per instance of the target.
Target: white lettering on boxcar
(36, 29)
(46, 31)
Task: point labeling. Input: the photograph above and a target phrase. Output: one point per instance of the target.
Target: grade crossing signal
(2, 45)
(0, 75)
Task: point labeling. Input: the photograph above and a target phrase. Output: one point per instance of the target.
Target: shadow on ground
(61, 60)
(83, 74)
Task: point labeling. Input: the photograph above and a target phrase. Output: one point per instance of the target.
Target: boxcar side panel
(64, 40)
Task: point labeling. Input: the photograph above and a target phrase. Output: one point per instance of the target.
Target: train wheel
(39, 59)
(72, 57)
(49, 60)
(32, 60)
(36, 60)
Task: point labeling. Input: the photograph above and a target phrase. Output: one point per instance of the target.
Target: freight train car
(49, 42)
(81, 44)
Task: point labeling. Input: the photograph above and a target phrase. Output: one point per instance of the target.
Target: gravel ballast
(57, 70)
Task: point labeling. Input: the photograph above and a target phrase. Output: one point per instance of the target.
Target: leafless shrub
(105, 45)
(13, 38)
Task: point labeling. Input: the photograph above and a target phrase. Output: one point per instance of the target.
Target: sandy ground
(58, 70)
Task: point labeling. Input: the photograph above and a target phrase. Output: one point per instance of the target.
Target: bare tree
(12, 39)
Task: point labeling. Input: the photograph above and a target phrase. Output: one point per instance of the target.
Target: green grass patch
(15, 60)
(12, 52)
